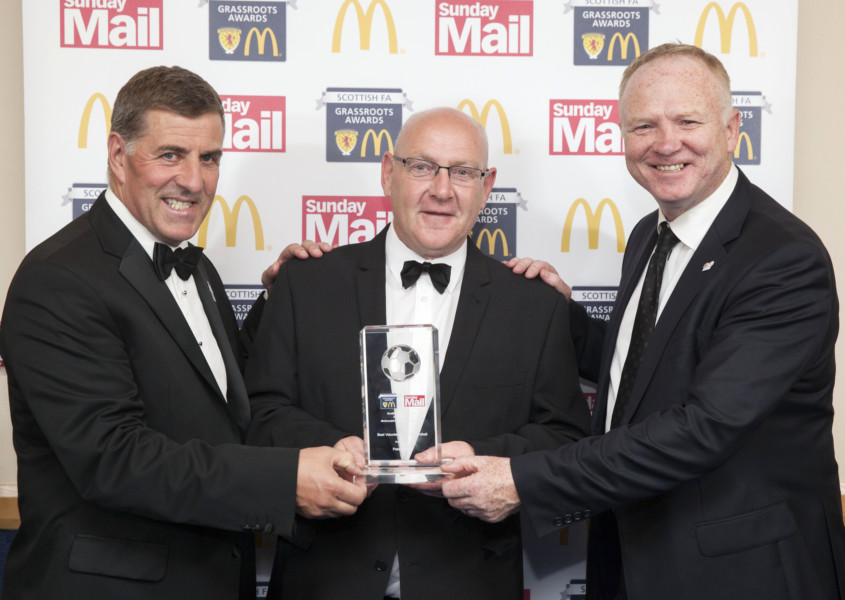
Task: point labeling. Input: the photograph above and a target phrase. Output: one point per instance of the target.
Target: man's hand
(450, 450)
(355, 445)
(532, 268)
(324, 485)
(302, 251)
(483, 487)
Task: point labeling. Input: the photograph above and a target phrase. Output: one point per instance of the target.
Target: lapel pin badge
(211, 291)
(707, 266)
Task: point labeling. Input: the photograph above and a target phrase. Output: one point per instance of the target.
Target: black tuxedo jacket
(509, 385)
(722, 476)
(132, 479)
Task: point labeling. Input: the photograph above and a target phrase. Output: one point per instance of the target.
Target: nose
(190, 176)
(667, 140)
(441, 185)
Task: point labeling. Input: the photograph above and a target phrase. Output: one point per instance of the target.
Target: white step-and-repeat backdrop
(315, 92)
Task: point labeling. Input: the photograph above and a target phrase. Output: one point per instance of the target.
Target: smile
(177, 204)
(669, 168)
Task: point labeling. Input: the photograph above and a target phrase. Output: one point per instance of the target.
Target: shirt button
(558, 522)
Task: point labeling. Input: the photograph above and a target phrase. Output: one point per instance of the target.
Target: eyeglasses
(425, 169)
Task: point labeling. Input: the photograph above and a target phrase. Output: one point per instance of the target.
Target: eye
(462, 172)
(169, 156)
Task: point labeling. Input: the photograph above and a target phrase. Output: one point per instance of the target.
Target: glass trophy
(400, 379)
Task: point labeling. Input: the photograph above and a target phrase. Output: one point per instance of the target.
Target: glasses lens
(420, 169)
(463, 174)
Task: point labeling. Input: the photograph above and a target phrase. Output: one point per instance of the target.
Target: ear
(386, 172)
(489, 181)
(733, 130)
(117, 156)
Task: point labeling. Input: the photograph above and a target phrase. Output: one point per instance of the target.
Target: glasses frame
(481, 174)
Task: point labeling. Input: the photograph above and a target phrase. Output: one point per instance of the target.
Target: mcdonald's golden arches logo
(260, 37)
(365, 24)
(593, 222)
(84, 123)
(507, 142)
(749, 149)
(623, 45)
(376, 137)
(726, 26)
(230, 221)
(491, 241)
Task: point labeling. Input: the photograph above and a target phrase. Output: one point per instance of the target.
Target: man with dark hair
(715, 475)
(128, 407)
(509, 384)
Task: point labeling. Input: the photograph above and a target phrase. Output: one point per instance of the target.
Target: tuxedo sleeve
(73, 369)
(771, 349)
(588, 338)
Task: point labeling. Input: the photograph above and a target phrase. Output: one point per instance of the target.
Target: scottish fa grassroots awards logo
(344, 220)
(725, 26)
(592, 219)
(494, 232)
(610, 32)
(365, 24)
(584, 127)
(242, 297)
(81, 196)
(247, 30)
(361, 124)
(118, 24)
(254, 123)
(231, 218)
(597, 301)
(750, 106)
(492, 28)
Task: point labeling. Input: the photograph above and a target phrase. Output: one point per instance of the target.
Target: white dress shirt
(184, 292)
(690, 228)
(420, 304)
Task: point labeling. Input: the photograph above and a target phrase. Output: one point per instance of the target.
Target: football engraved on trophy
(401, 386)
(400, 362)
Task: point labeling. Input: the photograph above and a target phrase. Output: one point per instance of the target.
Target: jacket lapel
(472, 304)
(137, 268)
(369, 282)
(695, 277)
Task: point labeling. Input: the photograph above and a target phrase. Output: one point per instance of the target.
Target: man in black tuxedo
(509, 383)
(127, 402)
(716, 476)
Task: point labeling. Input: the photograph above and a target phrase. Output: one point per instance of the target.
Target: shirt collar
(691, 226)
(138, 231)
(396, 253)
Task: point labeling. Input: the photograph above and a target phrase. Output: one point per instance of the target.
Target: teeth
(670, 167)
(177, 204)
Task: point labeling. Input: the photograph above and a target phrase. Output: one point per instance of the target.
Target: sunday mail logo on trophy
(584, 127)
(116, 24)
(609, 32)
(492, 28)
(361, 123)
(750, 106)
(254, 123)
(81, 196)
(494, 232)
(254, 31)
(344, 220)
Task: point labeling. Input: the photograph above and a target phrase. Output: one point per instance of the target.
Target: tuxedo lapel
(237, 401)
(472, 305)
(711, 252)
(137, 268)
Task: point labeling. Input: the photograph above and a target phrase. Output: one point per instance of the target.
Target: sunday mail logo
(492, 28)
(254, 123)
(344, 219)
(584, 128)
(117, 24)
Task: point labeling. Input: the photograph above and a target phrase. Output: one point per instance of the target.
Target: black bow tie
(182, 259)
(439, 274)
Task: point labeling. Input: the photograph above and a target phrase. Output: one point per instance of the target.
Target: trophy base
(402, 475)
